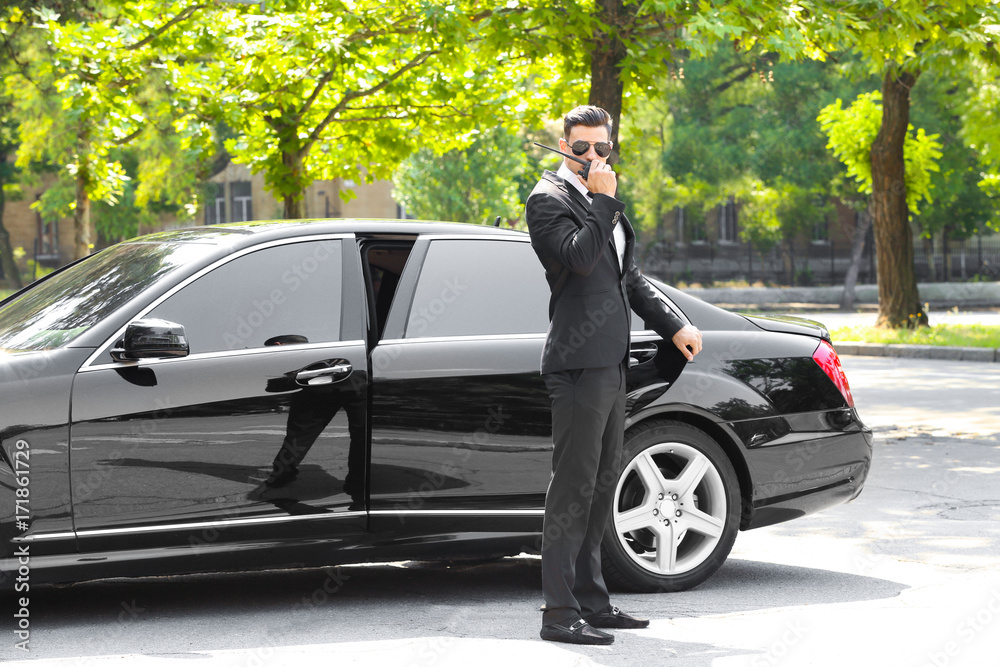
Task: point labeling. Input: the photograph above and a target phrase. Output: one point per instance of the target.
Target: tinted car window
(291, 290)
(477, 287)
(60, 308)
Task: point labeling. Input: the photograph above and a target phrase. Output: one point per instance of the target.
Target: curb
(986, 354)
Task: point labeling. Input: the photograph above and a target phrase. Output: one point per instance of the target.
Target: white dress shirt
(618, 235)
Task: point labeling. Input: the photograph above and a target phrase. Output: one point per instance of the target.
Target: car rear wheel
(676, 512)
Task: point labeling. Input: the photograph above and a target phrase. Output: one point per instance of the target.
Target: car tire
(678, 485)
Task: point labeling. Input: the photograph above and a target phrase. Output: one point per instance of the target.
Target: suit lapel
(578, 197)
(581, 202)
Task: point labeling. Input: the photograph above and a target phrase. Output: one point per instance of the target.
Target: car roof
(275, 229)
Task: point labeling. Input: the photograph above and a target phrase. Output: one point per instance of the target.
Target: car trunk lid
(790, 324)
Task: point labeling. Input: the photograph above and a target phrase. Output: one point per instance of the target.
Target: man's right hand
(688, 341)
(602, 179)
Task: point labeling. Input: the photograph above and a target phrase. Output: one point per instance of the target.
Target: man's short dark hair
(588, 116)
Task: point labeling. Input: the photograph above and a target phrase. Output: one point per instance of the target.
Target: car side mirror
(151, 339)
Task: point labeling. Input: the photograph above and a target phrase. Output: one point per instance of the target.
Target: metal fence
(815, 262)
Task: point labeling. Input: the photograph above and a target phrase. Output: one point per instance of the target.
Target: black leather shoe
(578, 633)
(616, 618)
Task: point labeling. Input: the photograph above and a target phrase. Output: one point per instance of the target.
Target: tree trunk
(898, 298)
(789, 251)
(606, 53)
(11, 274)
(81, 216)
(861, 227)
(294, 202)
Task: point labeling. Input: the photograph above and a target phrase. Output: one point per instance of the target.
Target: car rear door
(461, 422)
(259, 435)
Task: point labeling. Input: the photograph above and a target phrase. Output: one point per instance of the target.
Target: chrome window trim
(44, 536)
(101, 349)
(521, 512)
(444, 236)
(463, 338)
(277, 349)
(637, 336)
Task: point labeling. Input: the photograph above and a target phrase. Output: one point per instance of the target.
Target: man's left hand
(688, 341)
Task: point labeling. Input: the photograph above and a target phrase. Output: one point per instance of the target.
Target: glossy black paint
(459, 424)
(35, 399)
(160, 466)
(197, 444)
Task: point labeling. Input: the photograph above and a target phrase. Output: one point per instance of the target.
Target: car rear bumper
(843, 465)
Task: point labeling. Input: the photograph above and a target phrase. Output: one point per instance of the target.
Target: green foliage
(733, 124)
(473, 184)
(960, 335)
(961, 207)
(88, 86)
(345, 88)
(852, 132)
(980, 129)
(760, 225)
(771, 215)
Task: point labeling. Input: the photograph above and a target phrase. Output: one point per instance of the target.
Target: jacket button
(618, 215)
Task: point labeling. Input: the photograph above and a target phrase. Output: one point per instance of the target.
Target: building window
(242, 201)
(215, 204)
(821, 232)
(694, 229)
(727, 222)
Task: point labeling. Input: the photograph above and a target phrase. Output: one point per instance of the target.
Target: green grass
(4, 293)
(959, 335)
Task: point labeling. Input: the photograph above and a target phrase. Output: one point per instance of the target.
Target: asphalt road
(907, 575)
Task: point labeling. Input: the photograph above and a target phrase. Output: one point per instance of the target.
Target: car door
(258, 435)
(461, 421)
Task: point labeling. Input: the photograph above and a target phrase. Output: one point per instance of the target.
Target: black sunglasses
(602, 148)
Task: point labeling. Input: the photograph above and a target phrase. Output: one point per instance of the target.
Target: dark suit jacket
(589, 319)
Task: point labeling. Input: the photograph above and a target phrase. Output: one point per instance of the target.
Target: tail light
(828, 360)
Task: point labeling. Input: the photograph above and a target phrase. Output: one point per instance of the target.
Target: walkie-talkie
(586, 164)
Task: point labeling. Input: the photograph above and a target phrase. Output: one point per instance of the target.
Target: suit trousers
(588, 414)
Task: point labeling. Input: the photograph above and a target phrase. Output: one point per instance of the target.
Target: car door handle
(640, 354)
(324, 375)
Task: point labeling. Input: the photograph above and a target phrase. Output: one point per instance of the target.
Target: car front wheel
(676, 512)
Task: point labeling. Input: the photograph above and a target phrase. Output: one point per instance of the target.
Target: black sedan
(273, 395)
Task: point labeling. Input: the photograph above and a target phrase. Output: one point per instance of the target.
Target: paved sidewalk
(437, 651)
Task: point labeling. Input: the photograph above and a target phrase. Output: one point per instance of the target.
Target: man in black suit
(586, 244)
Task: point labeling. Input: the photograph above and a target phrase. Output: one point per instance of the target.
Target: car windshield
(59, 309)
